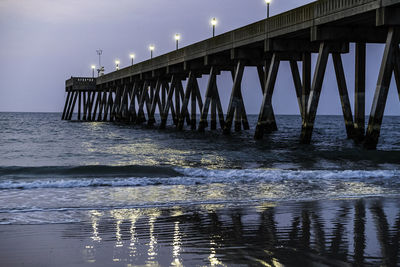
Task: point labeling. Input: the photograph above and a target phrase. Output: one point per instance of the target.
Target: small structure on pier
(324, 27)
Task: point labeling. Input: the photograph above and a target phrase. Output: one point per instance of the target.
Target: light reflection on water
(267, 234)
(45, 140)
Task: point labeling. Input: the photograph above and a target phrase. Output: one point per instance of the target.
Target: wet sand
(331, 232)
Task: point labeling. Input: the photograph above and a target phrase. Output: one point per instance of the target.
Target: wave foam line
(203, 176)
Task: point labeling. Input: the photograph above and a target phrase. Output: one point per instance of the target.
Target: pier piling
(325, 27)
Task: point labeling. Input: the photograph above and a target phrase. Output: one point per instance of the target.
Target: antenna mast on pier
(100, 70)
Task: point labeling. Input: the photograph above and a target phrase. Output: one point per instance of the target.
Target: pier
(326, 27)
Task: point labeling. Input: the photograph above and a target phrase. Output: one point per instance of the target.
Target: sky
(44, 42)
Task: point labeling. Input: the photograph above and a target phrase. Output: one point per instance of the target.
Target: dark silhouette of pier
(325, 27)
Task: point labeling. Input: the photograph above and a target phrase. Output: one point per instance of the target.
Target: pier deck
(324, 27)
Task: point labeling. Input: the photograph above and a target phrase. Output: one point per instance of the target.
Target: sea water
(168, 197)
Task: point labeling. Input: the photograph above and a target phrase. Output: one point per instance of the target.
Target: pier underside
(325, 28)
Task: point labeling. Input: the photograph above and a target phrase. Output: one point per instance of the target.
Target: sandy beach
(332, 232)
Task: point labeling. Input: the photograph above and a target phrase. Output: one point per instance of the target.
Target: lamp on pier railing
(214, 23)
(151, 47)
(93, 67)
(268, 2)
(177, 38)
(132, 56)
(117, 64)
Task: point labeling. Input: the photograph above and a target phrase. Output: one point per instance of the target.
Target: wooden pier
(325, 27)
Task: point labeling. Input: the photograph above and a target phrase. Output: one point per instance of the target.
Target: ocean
(109, 194)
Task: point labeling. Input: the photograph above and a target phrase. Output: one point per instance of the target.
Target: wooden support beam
(344, 96)
(312, 106)
(79, 105)
(124, 111)
(177, 101)
(84, 105)
(163, 95)
(186, 114)
(93, 95)
(261, 77)
(107, 104)
(152, 89)
(237, 110)
(132, 102)
(218, 105)
(306, 83)
(155, 100)
(363, 34)
(271, 125)
(66, 105)
(102, 104)
(382, 88)
(215, 102)
(245, 121)
(387, 16)
(193, 115)
(149, 97)
(70, 108)
(143, 96)
(90, 105)
(88, 99)
(111, 100)
(264, 118)
(297, 84)
(240, 110)
(172, 108)
(96, 105)
(195, 95)
(168, 104)
(198, 95)
(207, 101)
(213, 121)
(118, 111)
(292, 48)
(115, 106)
(121, 106)
(397, 70)
(73, 105)
(234, 103)
(71, 99)
(188, 92)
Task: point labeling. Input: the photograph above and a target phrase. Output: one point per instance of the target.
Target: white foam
(191, 176)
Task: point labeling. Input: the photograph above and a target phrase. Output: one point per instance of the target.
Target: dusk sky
(43, 42)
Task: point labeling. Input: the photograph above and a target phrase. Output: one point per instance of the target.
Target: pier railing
(301, 18)
(80, 83)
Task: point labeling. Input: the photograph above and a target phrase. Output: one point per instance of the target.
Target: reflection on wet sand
(333, 233)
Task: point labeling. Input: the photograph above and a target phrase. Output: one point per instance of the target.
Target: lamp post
(100, 70)
(151, 47)
(132, 56)
(177, 38)
(117, 64)
(214, 23)
(267, 2)
(93, 68)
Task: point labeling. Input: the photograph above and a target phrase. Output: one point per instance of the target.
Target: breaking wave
(107, 176)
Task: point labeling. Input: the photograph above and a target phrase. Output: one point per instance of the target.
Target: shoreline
(328, 232)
